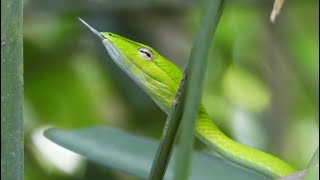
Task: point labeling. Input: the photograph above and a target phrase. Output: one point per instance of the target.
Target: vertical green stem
(196, 68)
(11, 90)
(162, 157)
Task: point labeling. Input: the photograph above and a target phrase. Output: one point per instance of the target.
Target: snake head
(156, 75)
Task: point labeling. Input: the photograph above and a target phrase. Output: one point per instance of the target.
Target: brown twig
(276, 9)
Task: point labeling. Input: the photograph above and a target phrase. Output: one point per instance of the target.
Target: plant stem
(11, 90)
(196, 68)
(161, 160)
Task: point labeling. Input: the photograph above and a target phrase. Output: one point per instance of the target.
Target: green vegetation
(260, 85)
(11, 90)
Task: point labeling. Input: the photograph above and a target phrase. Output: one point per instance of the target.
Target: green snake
(160, 79)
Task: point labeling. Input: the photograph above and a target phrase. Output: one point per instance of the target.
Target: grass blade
(11, 90)
(168, 137)
(196, 68)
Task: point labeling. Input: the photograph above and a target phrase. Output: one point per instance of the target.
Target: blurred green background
(261, 85)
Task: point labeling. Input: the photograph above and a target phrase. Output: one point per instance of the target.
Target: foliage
(133, 154)
(71, 82)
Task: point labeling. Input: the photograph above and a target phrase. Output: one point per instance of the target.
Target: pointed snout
(92, 29)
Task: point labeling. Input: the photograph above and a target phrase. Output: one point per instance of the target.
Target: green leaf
(197, 62)
(134, 154)
(196, 70)
(169, 134)
(11, 90)
(245, 90)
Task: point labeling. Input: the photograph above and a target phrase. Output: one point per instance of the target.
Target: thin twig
(276, 9)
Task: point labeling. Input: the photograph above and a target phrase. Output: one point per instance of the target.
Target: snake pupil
(146, 53)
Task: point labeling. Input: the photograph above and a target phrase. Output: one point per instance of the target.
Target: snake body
(160, 79)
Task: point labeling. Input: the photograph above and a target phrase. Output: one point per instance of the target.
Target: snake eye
(146, 54)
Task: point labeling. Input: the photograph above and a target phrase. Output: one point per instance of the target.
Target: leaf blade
(134, 154)
(196, 68)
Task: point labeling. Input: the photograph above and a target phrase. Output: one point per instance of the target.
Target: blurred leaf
(300, 130)
(245, 90)
(61, 96)
(103, 6)
(134, 154)
(54, 35)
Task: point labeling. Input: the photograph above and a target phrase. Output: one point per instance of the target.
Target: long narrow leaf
(134, 154)
(196, 68)
(169, 134)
